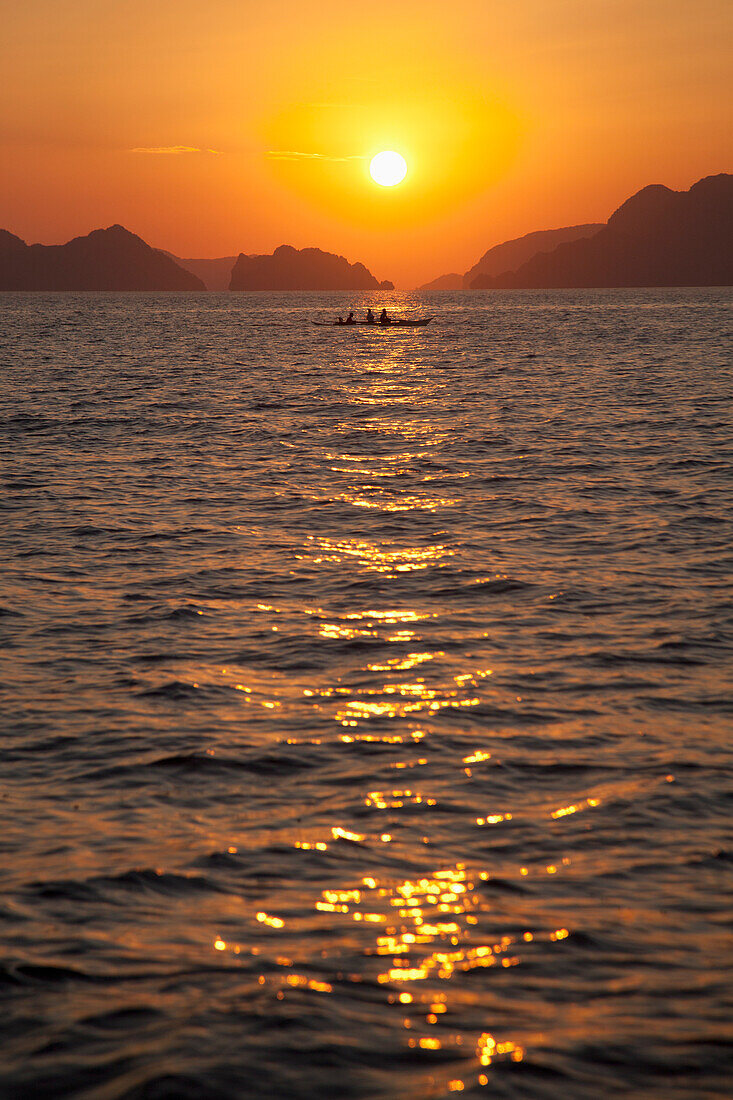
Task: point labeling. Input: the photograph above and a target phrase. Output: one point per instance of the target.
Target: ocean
(367, 697)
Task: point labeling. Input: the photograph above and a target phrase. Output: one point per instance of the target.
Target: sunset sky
(227, 126)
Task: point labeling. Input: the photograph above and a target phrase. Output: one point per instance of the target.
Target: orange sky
(513, 115)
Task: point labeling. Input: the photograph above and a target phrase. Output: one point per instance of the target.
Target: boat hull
(367, 324)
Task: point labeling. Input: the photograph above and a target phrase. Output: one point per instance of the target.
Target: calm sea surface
(367, 697)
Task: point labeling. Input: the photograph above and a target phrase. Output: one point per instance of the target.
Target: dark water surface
(367, 698)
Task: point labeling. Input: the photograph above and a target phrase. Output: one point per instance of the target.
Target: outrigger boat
(419, 323)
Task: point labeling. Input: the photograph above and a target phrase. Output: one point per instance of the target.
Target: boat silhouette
(418, 323)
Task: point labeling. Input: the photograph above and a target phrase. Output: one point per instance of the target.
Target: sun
(388, 168)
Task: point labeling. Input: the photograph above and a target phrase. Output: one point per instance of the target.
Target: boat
(418, 323)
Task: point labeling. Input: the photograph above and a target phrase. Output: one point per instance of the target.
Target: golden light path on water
(425, 930)
(414, 935)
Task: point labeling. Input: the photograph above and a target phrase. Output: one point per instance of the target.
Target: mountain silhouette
(215, 274)
(454, 281)
(302, 269)
(511, 254)
(658, 237)
(106, 259)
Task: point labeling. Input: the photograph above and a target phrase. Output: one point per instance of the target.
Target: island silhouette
(658, 237)
(452, 281)
(511, 254)
(106, 259)
(290, 268)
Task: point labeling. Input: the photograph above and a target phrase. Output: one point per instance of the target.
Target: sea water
(367, 697)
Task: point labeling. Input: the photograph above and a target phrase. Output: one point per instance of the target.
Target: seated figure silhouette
(350, 319)
(384, 319)
(370, 316)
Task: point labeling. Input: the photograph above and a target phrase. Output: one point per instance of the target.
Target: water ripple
(367, 698)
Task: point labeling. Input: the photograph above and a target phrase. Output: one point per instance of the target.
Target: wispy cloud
(291, 154)
(174, 150)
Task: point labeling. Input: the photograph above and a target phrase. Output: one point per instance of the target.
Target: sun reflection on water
(412, 935)
(427, 930)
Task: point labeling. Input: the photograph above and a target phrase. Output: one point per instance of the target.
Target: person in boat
(350, 319)
(340, 321)
(370, 317)
(384, 319)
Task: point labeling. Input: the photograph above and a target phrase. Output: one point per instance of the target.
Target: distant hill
(658, 237)
(454, 281)
(214, 274)
(509, 255)
(106, 259)
(302, 269)
(512, 254)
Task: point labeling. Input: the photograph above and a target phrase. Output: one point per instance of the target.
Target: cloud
(290, 154)
(174, 150)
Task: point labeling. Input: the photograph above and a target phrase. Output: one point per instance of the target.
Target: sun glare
(388, 168)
